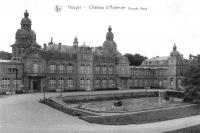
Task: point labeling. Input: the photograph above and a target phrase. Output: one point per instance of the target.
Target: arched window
(70, 68)
(61, 68)
(61, 82)
(179, 82)
(110, 70)
(52, 68)
(97, 69)
(110, 83)
(82, 83)
(104, 83)
(146, 83)
(88, 69)
(17, 83)
(156, 82)
(97, 83)
(82, 68)
(69, 82)
(5, 83)
(104, 69)
(141, 83)
(87, 83)
(171, 81)
(52, 82)
(136, 83)
(160, 83)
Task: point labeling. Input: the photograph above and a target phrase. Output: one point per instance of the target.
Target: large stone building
(80, 67)
(161, 72)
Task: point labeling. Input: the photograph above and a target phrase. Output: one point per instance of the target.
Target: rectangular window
(61, 68)
(97, 83)
(110, 70)
(97, 69)
(70, 68)
(70, 82)
(52, 68)
(35, 68)
(104, 70)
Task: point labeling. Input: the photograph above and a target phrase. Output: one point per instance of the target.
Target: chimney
(45, 46)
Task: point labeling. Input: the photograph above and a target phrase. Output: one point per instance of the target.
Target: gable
(124, 60)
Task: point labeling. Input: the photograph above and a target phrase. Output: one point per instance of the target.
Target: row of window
(61, 82)
(61, 68)
(144, 82)
(155, 63)
(83, 69)
(104, 70)
(84, 82)
(104, 83)
(137, 72)
(12, 70)
(148, 73)
(8, 83)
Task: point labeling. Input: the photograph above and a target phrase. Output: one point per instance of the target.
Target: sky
(151, 31)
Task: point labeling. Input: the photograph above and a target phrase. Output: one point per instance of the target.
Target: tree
(191, 82)
(5, 55)
(135, 60)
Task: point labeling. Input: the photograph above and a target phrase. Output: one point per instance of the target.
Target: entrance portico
(34, 83)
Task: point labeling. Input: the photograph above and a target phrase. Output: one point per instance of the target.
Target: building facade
(58, 67)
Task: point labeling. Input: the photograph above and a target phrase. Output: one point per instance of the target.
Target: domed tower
(25, 38)
(75, 43)
(173, 68)
(174, 53)
(110, 47)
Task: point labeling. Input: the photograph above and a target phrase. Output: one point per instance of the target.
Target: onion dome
(174, 52)
(109, 35)
(109, 43)
(25, 36)
(26, 22)
(75, 41)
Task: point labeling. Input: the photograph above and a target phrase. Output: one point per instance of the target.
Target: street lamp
(61, 91)
(16, 79)
(44, 91)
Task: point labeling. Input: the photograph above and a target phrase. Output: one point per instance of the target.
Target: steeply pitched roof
(158, 58)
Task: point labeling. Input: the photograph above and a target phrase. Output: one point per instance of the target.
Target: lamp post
(44, 91)
(16, 79)
(61, 91)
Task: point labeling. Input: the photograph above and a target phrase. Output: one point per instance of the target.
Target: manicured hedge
(145, 117)
(175, 94)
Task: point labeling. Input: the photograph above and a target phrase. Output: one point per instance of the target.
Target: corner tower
(25, 37)
(174, 69)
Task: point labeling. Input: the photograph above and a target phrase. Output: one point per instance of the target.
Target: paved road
(24, 114)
